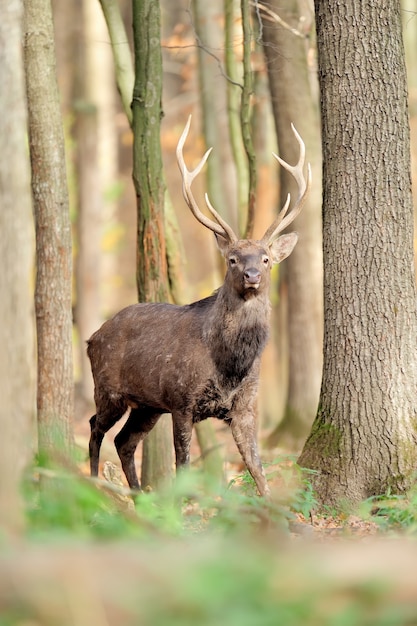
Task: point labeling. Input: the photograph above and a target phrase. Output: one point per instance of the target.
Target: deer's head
(249, 261)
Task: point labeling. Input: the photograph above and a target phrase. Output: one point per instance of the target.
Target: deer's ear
(223, 244)
(282, 247)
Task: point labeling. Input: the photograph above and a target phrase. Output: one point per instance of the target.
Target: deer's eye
(265, 259)
(232, 260)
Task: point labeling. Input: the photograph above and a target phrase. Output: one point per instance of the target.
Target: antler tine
(283, 220)
(230, 233)
(221, 228)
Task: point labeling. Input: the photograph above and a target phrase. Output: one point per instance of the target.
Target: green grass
(392, 512)
(192, 554)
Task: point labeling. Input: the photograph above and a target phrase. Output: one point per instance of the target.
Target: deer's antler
(283, 220)
(220, 227)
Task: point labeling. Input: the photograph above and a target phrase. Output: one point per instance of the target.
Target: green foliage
(187, 555)
(393, 512)
(62, 504)
(298, 493)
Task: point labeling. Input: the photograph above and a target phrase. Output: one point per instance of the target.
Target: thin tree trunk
(125, 78)
(152, 274)
(17, 376)
(221, 177)
(364, 438)
(245, 117)
(96, 174)
(293, 102)
(53, 234)
(122, 55)
(88, 229)
(234, 95)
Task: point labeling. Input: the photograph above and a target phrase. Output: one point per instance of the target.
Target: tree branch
(125, 75)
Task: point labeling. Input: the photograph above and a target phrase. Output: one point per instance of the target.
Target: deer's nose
(252, 276)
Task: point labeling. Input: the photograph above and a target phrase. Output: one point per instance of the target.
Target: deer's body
(162, 356)
(195, 361)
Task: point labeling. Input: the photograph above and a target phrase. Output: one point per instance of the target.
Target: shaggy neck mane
(237, 332)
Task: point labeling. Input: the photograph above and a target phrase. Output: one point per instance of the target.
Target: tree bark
(17, 364)
(245, 117)
(363, 440)
(53, 234)
(152, 275)
(293, 101)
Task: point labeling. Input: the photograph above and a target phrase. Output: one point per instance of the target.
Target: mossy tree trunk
(53, 297)
(152, 274)
(364, 438)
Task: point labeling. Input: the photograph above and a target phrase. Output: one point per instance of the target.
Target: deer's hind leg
(139, 423)
(108, 413)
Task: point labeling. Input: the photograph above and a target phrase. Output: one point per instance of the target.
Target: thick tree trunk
(152, 275)
(293, 101)
(17, 365)
(364, 439)
(53, 234)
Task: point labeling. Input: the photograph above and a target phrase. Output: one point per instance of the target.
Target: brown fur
(195, 361)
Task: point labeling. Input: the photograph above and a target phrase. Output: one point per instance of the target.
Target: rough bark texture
(147, 163)
(16, 257)
(293, 101)
(152, 275)
(53, 233)
(364, 439)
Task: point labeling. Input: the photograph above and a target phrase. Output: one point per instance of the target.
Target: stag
(199, 360)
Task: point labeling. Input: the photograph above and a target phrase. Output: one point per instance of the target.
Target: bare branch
(274, 17)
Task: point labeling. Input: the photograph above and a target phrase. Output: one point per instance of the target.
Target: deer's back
(152, 353)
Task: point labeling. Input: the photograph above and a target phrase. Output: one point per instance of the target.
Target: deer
(199, 360)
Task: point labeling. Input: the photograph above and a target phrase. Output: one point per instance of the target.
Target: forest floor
(92, 557)
(282, 478)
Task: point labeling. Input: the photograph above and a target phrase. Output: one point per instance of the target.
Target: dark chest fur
(236, 343)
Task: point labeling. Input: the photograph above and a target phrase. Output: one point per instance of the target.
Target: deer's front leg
(243, 428)
(183, 428)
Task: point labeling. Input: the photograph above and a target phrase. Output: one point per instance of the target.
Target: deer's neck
(237, 332)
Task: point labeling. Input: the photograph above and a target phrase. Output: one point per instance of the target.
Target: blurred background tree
(289, 51)
(17, 364)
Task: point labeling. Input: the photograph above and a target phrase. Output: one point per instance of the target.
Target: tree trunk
(96, 174)
(293, 101)
(53, 234)
(234, 96)
(16, 258)
(88, 233)
(363, 440)
(245, 117)
(152, 275)
(221, 176)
